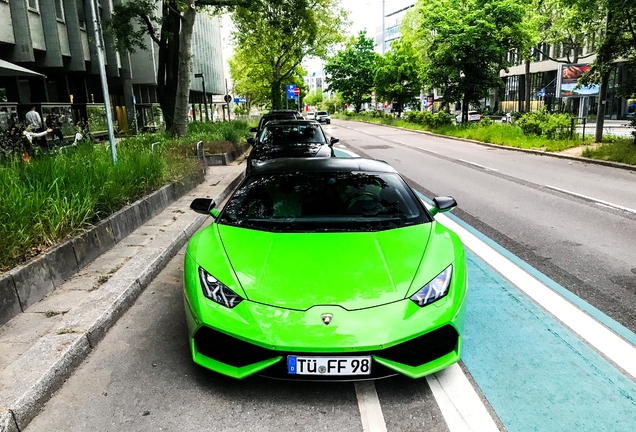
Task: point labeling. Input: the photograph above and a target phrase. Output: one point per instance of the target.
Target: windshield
(310, 202)
(278, 116)
(292, 133)
(322, 113)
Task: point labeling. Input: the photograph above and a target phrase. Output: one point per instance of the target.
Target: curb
(517, 149)
(28, 283)
(78, 335)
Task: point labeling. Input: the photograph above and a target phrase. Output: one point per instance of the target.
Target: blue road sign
(290, 91)
(541, 93)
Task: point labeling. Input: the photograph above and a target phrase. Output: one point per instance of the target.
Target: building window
(34, 5)
(59, 10)
(81, 14)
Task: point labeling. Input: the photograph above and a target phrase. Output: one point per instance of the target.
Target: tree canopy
(277, 35)
(398, 75)
(465, 44)
(351, 70)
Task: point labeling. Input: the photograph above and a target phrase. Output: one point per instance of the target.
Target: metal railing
(201, 151)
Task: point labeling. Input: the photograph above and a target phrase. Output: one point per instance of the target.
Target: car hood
(290, 150)
(354, 270)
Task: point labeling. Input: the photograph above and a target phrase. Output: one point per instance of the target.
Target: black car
(282, 114)
(289, 138)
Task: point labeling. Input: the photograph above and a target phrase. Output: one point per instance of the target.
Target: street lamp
(205, 95)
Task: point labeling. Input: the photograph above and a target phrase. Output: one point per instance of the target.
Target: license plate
(297, 365)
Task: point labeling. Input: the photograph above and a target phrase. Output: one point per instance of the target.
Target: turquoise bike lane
(536, 373)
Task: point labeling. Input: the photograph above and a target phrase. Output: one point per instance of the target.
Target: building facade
(394, 11)
(543, 81)
(50, 62)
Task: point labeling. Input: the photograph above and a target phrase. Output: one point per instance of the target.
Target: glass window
(34, 5)
(324, 201)
(59, 10)
(292, 134)
(81, 13)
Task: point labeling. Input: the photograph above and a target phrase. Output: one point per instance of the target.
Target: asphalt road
(141, 378)
(574, 222)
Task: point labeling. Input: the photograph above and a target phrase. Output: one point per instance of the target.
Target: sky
(364, 15)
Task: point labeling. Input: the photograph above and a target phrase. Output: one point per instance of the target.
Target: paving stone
(9, 302)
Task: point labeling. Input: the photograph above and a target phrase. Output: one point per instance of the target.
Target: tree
(277, 35)
(250, 80)
(466, 45)
(170, 25)
(351, 70)
(398, 75)
(314, 97)
(618, 41)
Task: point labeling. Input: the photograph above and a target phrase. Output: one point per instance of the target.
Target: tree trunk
(527, 87)
(277, 94)
(168, 64)
(600, 115)
(180, 124)
(465, 111)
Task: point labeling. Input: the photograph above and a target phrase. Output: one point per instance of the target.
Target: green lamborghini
(325, 269)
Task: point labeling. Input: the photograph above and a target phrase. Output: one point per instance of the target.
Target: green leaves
(398, 74)
(275, 36)
(351, 70)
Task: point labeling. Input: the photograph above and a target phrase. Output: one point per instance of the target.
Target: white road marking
(477, 165)
(370, 409)
(605, 341)
(461, 407)
(598, 201)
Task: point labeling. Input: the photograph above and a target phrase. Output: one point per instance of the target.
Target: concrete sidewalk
(42, 346)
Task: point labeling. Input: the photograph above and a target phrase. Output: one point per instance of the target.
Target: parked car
(473, 116)
(289, 138)
(282, 114)
(323, 117)
(311, 115)
(324, 269)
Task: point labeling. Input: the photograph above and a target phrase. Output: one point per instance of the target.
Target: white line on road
(598, 201)
(370, 409)
(608, 343)
(477, 165)
(461, 407)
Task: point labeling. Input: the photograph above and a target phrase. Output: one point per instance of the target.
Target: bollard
(584, 123)
(201, 154)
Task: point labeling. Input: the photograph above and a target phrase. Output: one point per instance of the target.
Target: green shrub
(553, 126)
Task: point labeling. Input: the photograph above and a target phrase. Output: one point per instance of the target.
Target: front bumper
(256, 339)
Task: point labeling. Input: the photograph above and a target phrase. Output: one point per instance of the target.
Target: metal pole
(205, 100)
(228, 104)
(382, 38)
(101, 63)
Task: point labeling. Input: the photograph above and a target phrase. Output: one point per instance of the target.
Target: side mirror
(254, 130)
(442, 204)
(334, 140)
(251, 141)
(204, 206)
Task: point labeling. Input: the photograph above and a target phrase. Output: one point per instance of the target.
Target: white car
(323, 117)
(473, 116)
(311, 116)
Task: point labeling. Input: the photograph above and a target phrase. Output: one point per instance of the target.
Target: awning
(10, 69)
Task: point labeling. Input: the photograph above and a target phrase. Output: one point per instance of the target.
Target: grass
(57, 195)
(495, 133)
(621, 150)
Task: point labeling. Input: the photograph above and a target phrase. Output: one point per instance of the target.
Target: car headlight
(435, 289)
(216, 291)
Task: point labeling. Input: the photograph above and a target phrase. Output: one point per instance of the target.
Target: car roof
(291, 121)
(281, 111)
(331, 164)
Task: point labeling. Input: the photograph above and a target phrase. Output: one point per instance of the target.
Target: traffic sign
(541, 93)
(290, 91)
(227, 98)
(297, 91)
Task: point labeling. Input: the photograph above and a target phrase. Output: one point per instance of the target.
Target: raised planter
(27, 284)
(224, 158)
